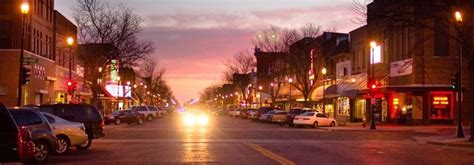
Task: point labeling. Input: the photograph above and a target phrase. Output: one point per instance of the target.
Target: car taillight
(295, 119)
(305, 118)
(101, 125)
(24, 134)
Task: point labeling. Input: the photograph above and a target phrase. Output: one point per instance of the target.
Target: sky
(193, 38)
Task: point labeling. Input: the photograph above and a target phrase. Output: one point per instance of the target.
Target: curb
(367, 130)
(450, 144)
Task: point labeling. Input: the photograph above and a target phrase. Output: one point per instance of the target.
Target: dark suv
(16, 144)
(84, 113)
(41, 131)
(263, 110)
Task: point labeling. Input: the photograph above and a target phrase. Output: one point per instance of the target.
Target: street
(235, 141)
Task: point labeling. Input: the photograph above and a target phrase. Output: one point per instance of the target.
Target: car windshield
(115, 113)
(295, 111)
(308, 114)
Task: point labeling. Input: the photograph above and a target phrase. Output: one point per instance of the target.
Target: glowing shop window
(376, 53)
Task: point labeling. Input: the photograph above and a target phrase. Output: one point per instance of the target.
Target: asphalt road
(236, 141)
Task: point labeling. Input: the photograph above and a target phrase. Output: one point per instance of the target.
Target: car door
(320, 119)
(8, 137)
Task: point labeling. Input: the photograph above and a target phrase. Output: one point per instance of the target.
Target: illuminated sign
(118, 90)
(440, 101)
(396, 101)
(114, 71)
(376, 55)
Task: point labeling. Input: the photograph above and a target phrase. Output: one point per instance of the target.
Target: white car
(68, 133)
(314, 119)
(150, 112)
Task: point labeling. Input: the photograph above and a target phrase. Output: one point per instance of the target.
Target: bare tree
(300, 60)
(242, 62)
(359, 9)
(101, 22)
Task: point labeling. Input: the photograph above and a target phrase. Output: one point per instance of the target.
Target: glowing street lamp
(324, 72)
(25, 9)
(460, 130)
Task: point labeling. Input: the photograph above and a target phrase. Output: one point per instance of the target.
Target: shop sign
(118, 90)
(440, 101)
(401, 68)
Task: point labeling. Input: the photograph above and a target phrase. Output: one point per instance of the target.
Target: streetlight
(373, 44)
(459, 22)
(290, 80)
(324, 71)
(25, 9)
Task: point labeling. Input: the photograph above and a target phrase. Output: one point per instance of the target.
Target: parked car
(16, 142)
(261, 111)
(314, 119)
(279, 117)
(268, 116)
(296, 111)
(150, 112)
(41, 131)
(245, 114)
(125, 116)
(231, 112)
(68, 133)
(252, 115)
(83, 113)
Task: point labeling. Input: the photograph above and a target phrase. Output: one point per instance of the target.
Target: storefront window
(441, 106)
(343, 106)
(359, 111)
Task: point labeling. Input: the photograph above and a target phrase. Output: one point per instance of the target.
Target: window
(441, 39)
(308, 114)
(85, 113)
(20, 117)
(376, 54)
(152, 108)
(141, 109)
(6, 123)
(50, 119)
(321, 115)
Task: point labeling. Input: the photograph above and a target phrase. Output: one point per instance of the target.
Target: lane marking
(198, 140)
(270, 154)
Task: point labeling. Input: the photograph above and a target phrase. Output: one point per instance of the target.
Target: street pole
(460, 130)
(20, 78)
(324, 95)
(459, 21)
(372, 97)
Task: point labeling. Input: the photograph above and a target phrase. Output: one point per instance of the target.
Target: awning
(317, 94)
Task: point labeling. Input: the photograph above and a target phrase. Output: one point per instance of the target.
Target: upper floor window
(441, 39)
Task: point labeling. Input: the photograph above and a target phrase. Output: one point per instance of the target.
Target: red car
(16, 145)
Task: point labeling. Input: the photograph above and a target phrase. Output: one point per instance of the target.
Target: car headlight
(188, 120)
(203, 120)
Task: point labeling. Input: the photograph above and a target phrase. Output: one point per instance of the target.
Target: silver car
(68, 133)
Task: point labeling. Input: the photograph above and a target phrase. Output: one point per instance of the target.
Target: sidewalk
(391, 127)
(446, 141)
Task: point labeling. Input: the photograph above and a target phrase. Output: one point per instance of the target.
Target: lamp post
(324, 71)
(25, 9)
(460, 130)
(290, 80)
(373, 44)
(260, 88)
(70, 42)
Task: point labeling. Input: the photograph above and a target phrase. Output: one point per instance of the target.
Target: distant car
(268, 116)
(245, 113)
(231, 112)
(150, 112)
(252, 114)
(68, 133)
(195, 119)
(87, 114)
(41, 131)
(125, 116)
(261, 111)
(295, 112)
(16, 142)
(279, 117)
(314, 119)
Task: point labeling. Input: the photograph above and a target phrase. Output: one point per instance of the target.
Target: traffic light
(455, 81)
(372, 85)
(71, 86)
(26, 73)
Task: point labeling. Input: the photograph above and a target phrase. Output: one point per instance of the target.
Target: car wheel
(41, 151)
(149, 118)
(315, 124)
(117, 122)
(333, 124)
(86, 145)
(140, 121)
(63, 145)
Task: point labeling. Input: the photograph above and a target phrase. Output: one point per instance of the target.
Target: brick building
(44, 41)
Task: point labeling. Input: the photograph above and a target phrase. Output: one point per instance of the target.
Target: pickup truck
(150, 112)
